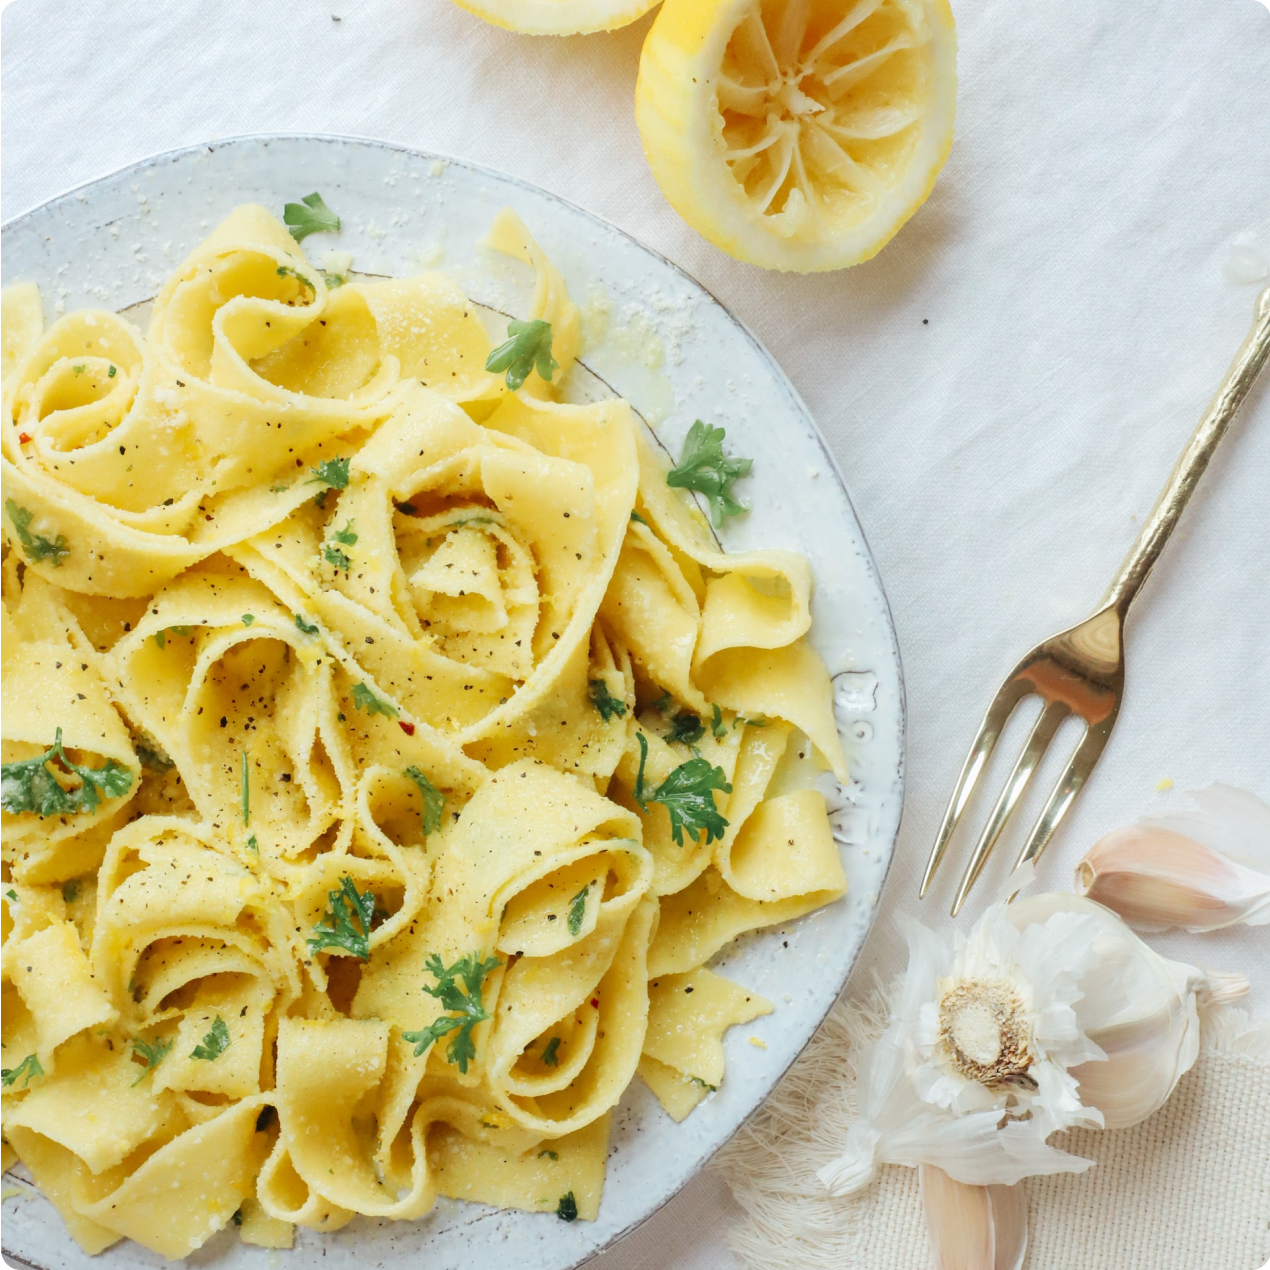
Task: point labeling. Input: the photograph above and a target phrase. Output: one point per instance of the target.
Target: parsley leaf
(466, 1010)
(309, 216)
(529, 346)
(70, 891)
(214, 1044)
(550, 1155)
(709, 1088)
(29, 785)
(247, 619)
(333, 555)
(433, 799)
(567, 1209)
(550, 1052)
(608, 705)
(36, 546)
(337, 930)
(154, 760)
(688, 794)
(635, 516)
(253, 844)
(717, 726)
(686, 727)
(309, 628)
(577, 909)
(246, 790)
(333, 473)
(28, 1068)
(705, 468)
(285, 271)
(12, 895)
(161, 637)
(151, 1055)
(366, 700)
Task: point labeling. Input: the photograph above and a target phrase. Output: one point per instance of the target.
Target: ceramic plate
(658, 339)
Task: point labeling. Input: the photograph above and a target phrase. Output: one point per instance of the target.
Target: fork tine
(1009, 696)
(1088, 752)
(1037, 743)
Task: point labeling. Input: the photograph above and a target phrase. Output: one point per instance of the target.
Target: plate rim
(892, 640)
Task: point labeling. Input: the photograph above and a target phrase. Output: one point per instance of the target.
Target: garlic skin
(1139, 1009)
(973, 1227)
(1200, 870)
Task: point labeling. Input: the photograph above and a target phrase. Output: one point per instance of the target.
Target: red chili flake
(407, 728)
(595, 1001)
(25, 438)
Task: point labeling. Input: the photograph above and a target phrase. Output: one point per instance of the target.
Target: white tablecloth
(1005, 387)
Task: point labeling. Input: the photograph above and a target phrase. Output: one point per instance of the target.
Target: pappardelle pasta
(388, 748)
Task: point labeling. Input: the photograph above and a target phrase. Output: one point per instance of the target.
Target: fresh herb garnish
(70, 891)
(551, 1155)
(433, 799)
(567, 1209)
(333, 473)
(687, 794)
(285, 271)
(577, 909)
(237, 1217)
(28, 1068)
(152, 1055)
(11, 894)
(246, 790)
(696, 1080)
(333, 555)
(551, 1054)
(247, 619)
(337, 928)
(154, 760)
(609, 706)
(529, 345)
(635, 516)
(366, 700)
(110, 374)
(717, 726)
(161, 637)
(466, 1008)
(253, 844)
(705, 468)
(28, 785)
(309, 628)
(79, 370)
(663, 703)
(686, 728)
(36, 546)
(309, 216)
(214, 1044)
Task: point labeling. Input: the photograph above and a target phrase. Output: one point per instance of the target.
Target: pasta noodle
(387, 749)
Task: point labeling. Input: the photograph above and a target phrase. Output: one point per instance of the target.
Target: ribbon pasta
(343, 688)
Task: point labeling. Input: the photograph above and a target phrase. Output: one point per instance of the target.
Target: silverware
(1080, 672)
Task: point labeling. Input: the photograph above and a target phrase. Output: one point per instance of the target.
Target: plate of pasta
(452, 726)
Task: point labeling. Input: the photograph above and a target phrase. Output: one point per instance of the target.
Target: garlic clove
(1156, 878)
(973, 1227)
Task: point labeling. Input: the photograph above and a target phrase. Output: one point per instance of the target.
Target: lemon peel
(558, 17)
(798, 134)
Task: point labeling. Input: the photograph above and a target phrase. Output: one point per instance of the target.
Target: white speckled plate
(661, 341)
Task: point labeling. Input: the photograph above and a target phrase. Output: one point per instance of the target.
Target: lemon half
(558, 17)
(798, 134)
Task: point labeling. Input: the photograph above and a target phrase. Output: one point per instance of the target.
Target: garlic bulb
(1140, 1010)
(973, 1227)
(1200, 870)
(1051, 1013)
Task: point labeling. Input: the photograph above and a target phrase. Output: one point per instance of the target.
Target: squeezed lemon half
(798, 134)
(558, 17)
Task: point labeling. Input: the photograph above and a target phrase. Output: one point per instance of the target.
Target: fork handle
(1194, 459)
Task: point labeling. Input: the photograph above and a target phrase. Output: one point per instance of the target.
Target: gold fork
(1080, 672)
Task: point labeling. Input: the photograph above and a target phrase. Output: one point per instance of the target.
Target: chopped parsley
(253, 844)
(609, 706)
(338, 929)
(433, 800)
(687, 794)
(110, 374)
(154, 760)
(12, 895)
(551, 1056)
(333, 473)
(237, 1217)
(247, 619)
(717, 726)
(550, 1155)
(635, 516)
(567, 1209)
(365, 699)
(334, 555)
(28, 1069)
(79, 370)
(466, 1009)
(696, 1080)
(70, 891)
(686, 728)
(309, 628)
(285, 271)
(152, 1055)
(529, 345)
(705, 468)
(310, 216)
(577, 909)
(246, 790)
(29, 785)
(37, 547)
(161, 637)
(214, 1044)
